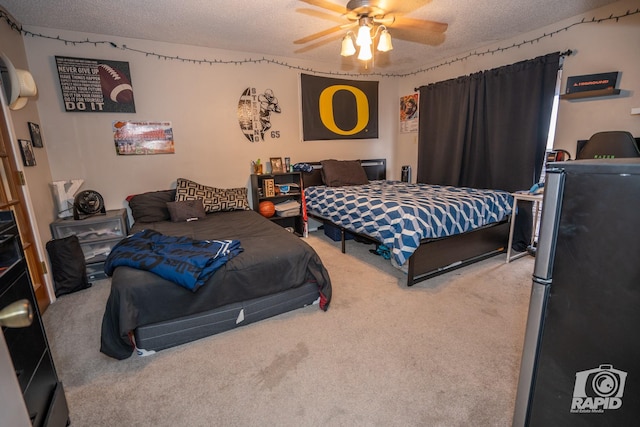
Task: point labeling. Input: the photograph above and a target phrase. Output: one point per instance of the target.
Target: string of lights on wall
(524, 42)
(7, 18)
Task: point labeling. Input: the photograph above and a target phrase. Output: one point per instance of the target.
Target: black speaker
(406, 174)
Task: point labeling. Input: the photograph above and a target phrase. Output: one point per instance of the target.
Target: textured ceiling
(269, 27)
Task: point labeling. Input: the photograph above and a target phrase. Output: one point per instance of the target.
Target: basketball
(266, 209)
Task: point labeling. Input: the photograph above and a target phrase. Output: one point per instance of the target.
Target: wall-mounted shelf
(635, 110)
(591, 93)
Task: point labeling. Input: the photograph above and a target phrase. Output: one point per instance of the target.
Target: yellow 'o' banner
(338, 109)
(327, 114)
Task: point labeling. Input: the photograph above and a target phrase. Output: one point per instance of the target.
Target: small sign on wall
(592, 82)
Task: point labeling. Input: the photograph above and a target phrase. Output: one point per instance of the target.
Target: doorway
(12, 197)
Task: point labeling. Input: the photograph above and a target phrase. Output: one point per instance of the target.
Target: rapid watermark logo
(597, 390)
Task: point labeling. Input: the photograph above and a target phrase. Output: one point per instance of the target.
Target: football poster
(254, 114)
(338, 109)
(133, 138)
(95, 85)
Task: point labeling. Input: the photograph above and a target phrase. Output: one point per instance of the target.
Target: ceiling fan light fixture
(384, 44)
(365, 53)
(364, 36)
(371, 18)
(348, 48)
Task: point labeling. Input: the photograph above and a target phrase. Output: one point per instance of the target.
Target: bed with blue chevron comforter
(401, 215)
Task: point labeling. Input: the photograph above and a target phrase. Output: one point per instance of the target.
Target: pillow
(188, 210)
(213, 199)
(336, 173)
(151, 206)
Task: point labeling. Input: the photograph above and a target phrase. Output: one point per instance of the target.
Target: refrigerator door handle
(551, 204)
(533, 331)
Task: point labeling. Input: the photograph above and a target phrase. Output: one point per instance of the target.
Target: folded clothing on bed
(182, 260)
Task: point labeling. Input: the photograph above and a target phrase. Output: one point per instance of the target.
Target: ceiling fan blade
(402, 6)
(420, 25)
(417, 35)
(322, 42)
(318, 14)
(318, 35)
(326, 5)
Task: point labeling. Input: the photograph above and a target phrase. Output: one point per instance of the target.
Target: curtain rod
(567, 52)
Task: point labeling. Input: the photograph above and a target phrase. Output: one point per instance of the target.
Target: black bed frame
(173, 332)
(434, 256)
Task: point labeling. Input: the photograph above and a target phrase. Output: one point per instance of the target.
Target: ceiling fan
(373, 15)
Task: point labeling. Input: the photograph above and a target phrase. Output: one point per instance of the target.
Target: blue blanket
(185, 261)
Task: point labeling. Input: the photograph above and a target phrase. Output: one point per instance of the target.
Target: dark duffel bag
(68, 265)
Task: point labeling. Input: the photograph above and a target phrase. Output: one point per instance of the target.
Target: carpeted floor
(445, 352)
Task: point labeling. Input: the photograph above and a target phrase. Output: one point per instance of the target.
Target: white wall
(201, 102)
(599, 47)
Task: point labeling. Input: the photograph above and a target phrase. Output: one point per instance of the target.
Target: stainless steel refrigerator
(581, 356)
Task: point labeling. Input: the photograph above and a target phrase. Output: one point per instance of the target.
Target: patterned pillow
(213, 199)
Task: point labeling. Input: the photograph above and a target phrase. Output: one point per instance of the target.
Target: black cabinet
(287, 187)
(28, 347)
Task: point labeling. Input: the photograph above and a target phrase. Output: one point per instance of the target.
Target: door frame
(14, 195)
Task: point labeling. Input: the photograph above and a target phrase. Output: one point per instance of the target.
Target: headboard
(376, 169)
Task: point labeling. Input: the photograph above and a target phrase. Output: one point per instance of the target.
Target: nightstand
(537, 205)
(294, 194)
(97, 234)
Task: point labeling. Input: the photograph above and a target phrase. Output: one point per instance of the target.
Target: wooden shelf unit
(296, 222)
(590, 94)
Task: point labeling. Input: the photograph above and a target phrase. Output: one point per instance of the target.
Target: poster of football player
(95, 85)
(409, 113)
(254, 114)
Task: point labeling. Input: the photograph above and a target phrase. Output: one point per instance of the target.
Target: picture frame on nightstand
(276, 165)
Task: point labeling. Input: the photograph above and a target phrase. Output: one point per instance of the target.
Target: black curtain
(488, 129)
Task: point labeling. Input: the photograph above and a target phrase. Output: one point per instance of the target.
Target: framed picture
(36, 136)
(108, 90)
(142, 138)
(28, 158)
(276, 165)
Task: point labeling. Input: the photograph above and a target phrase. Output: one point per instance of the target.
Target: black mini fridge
(581, 356)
